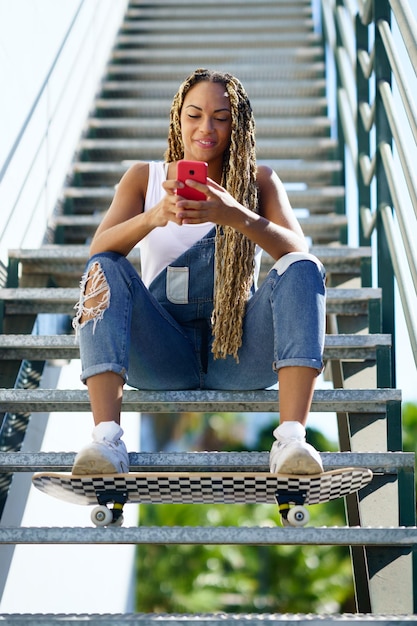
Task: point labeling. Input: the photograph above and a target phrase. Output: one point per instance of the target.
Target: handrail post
(362, 82)
(340, 206)
(383, 134)
(362, 95)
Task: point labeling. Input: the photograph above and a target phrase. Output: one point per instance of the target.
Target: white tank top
(164, 244)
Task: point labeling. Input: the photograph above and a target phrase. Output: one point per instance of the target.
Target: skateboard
(290, 492)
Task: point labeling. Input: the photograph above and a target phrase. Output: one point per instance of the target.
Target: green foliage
(206, 578)
(409, 420)
(409, 413)
(252, 579)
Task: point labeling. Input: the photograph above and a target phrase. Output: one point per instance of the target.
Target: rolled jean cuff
(288, 259)
(102, 368)
(313, 363)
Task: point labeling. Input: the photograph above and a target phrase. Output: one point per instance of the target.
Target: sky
(30, 33)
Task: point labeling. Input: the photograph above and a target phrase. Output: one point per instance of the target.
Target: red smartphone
(194, 170)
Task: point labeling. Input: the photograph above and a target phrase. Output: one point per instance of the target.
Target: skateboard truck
(291, 507)
(102, 515)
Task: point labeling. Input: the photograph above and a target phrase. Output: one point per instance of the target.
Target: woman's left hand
(275, 228)
(217, 208)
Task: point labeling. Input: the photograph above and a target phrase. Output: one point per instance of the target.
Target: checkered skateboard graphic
(210, 488)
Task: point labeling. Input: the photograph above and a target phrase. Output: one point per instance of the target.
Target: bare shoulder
(274, 203)
(270, 185)
(265, 176)
(136, 176)
(129, 197)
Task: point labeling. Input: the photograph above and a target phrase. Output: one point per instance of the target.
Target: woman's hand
(167, 209)
(274, 228)
(218, 208)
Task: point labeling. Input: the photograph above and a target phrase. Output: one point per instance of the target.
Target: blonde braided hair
(234, 257)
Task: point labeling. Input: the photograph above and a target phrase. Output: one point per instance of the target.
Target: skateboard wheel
(101, 516)
(298, 516)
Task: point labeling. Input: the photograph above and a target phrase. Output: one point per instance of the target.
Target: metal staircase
(273, 48)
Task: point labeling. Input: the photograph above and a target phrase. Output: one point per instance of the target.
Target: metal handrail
(407, 26)
(406, 96)
(33, 172)
(39, 96)
(385, 167)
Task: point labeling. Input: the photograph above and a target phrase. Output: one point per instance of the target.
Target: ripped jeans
(156, 347)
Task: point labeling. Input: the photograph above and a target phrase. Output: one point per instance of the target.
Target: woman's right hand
(167, 210)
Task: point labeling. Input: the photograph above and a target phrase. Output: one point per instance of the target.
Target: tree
(409, 426)
(253, 579)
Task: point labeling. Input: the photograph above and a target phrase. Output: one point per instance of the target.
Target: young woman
(195, 318)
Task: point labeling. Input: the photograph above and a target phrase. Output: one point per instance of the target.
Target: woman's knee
(94, 296)
(287, 260)
(95, 287)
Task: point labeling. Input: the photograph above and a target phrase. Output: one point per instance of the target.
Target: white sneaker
(290, 454)
(107, 453)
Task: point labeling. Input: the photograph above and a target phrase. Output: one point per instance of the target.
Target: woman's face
(206, 122)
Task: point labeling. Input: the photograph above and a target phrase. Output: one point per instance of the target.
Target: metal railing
(32, 175)
(373, 46)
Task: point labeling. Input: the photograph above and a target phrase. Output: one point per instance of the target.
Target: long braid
(234, 258)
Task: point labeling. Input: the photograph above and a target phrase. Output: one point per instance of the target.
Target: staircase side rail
(33, 172)
(376, 109)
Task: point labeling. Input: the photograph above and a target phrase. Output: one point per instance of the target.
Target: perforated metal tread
(62, 300)
(378, 462)
(405, 537)
(353, 400)
(66, 347)
(218, 619)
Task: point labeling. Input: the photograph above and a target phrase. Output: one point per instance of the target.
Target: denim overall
(160, 338)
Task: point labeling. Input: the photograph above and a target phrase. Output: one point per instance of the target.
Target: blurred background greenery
(249, 579)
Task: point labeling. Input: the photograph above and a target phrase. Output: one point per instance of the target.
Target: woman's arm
(275, 229)
(126, 223)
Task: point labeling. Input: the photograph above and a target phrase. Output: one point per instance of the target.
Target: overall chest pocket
(186, 286)
(177, 284)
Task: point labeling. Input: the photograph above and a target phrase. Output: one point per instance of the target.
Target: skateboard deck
(290, 492)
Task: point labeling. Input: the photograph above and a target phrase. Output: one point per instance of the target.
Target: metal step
(92, 173)
(217, 57)
(296, 12)
(315, 225)
(202, 40)
(275, 24)
(373, 401)
(236, 4)
(24, 301)
(64, 264)
(178, 71)
(151, 149)
(166, 89)
(48, 257)
(92, 199)
(126, 128)
(387, 463)
(151, 108)
(49, 347)
(405, 537)
(223, 619)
